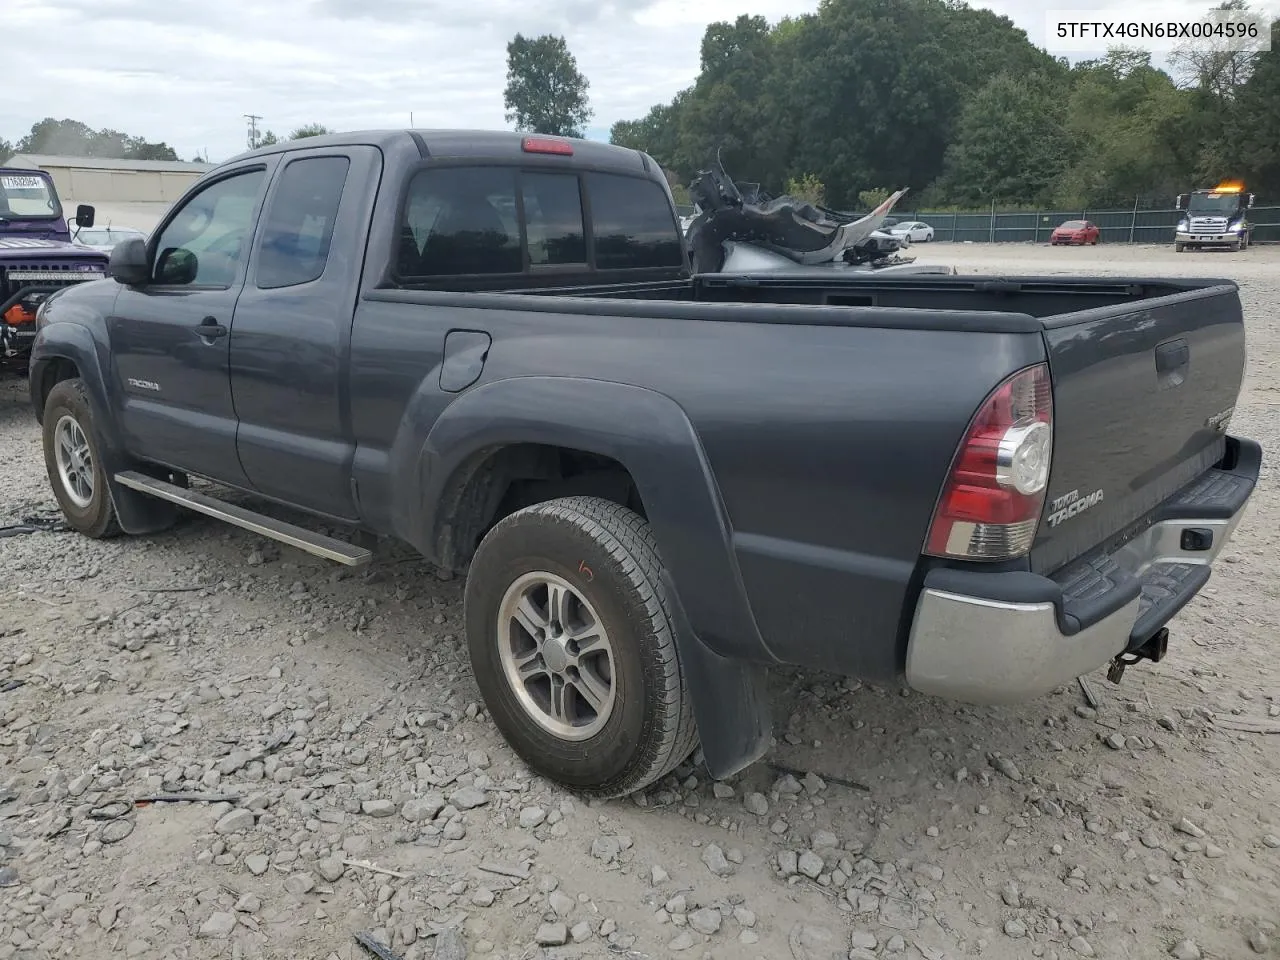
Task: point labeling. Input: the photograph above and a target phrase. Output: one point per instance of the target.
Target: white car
(106, 238)
(912, 230)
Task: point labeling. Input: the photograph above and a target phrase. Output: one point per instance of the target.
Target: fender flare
(136, 512)
(649, 434)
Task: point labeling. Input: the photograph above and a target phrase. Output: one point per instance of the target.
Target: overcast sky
(185, 71)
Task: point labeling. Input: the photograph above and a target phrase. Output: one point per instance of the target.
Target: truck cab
(1217, 217)
(37, 257)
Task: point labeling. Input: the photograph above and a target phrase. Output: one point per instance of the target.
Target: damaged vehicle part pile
(739, 227)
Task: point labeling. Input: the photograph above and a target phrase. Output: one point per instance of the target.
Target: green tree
(545, 93)
(657, 134)
(75, 139)
(1215, 65)
(857, 94)
(6, 150)
(807, 188)
(1253, 125)
(873, 198)
(310, 130)
(1133, 132)
(268, 139)
(1010, 145)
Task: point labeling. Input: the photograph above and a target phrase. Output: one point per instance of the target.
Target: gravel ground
(370, 792)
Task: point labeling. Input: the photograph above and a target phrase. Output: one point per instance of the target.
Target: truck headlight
(1236, 227)
(1184, 226)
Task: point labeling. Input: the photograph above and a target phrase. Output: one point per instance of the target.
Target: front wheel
(73, 463)
(572, 646)
(1178, 248)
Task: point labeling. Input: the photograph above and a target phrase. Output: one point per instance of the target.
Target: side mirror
(1251, 199)
(176, 266)
(84, 216)
(1177, 204)
(128, 263)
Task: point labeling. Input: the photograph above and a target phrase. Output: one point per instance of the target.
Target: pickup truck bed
(982, 486)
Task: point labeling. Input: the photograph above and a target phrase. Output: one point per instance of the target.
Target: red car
(1074, 231)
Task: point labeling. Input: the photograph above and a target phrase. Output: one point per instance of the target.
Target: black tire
(1178, 248)
(607, 554)
(97, 517)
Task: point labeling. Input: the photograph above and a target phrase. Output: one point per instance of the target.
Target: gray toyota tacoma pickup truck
(489, 346)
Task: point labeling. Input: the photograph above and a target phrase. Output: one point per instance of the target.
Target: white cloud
(186, 71)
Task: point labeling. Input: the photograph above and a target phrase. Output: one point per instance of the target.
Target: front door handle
(209, 329)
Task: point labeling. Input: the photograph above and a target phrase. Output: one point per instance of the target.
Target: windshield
(1073, 225)
(24, 195)
(1220, 203)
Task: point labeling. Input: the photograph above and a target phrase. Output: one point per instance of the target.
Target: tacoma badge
(1072, 505)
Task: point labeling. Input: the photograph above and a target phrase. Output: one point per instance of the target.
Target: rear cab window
(300, 221)
(497, 223)
(632, 223)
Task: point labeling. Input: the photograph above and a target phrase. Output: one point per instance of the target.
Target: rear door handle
(210, 329)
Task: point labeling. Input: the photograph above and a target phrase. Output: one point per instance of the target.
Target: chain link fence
(1139, 224)
(1135, 225)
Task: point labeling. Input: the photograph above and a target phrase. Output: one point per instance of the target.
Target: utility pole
(253, 119)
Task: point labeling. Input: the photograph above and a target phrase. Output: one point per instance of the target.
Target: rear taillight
(991, 503)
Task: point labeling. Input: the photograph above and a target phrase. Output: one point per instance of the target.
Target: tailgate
(1142, 395)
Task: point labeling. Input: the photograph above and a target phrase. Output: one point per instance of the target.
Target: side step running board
(313, 543)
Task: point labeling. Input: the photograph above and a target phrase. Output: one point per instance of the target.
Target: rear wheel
(72, 461)
(573, 649)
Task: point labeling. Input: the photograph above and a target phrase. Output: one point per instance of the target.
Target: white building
(126, 193)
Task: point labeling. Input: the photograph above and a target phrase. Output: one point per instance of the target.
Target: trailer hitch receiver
(1153, 648)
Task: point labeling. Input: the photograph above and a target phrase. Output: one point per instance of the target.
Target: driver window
(204, 244)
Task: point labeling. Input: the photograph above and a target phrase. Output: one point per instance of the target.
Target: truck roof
(480, 145)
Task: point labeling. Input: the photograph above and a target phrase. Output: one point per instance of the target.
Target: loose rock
(1081, 946)
(715, 861)
(1008, 768)
(331, 869)
(531, 817)
(810, 864)
(561, 903)
(422, 809)
(468, 798)
(237, 821)
(552, 935)
(705, 921)
(257, 864)
(218, 926)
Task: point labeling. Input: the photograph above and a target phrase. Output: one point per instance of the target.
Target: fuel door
(465, 352)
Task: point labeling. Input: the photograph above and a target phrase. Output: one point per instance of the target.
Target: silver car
(105, 238)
